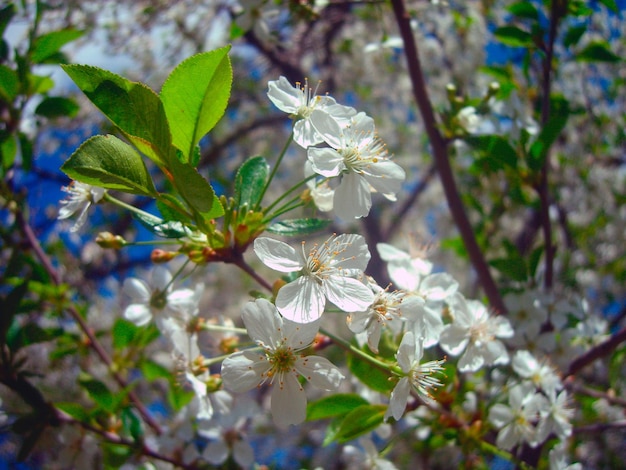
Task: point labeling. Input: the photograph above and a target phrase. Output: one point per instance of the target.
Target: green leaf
(611, 5)
(152, 371)
(162, 228)
(293, 227)
(49, 44)
(107, 162)
(333, 406)
(131, 424)
(9, 307)
(19, 337)
(9, 83)
(133, 107)
(360, 421)
(524, 9)
(197, 192)
(99, 393)
(514, 36)
(57, 106)
(373, 377)
(115, 455)
(195, 96)
(75, 410)
(573, 35)
(548, 135)
(8, 151)
(124, 333)
(597, 51)
(512, 267)
(250, 180)
(496, 147)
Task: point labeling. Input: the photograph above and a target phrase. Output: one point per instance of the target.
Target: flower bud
(162, 256)
(108, 240)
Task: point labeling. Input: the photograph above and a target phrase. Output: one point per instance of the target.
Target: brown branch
(597, 352)
(54, 274)
(440, 153)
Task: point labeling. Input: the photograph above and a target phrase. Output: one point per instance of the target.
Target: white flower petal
(161, 278)
(288, 402)
(242, 371)
(350, 295)
(139, 314)
(399, 397)
(262, 322)
(302, 300)
(319, 371)
(352, 199)
(325, 161)
(277, 255)
(137, 290)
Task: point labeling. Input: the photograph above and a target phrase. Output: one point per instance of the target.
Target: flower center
(158, 301)
(282, 360)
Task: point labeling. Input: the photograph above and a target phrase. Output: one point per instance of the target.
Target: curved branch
(440, 153)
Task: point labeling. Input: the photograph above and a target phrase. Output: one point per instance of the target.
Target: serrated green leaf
(360, 421)
(195, 96)
(496, 147)
(49, 44)
(197, 193)
(9, 83)
(250, 181)
(333, 406)
(374, 378)
(514, 36)
(597, 51)
(293, 227)
(107, 162)
(133, 107)
(57, 106)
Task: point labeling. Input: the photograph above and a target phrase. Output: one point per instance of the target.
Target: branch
(54, 274)
(442, 163)
(597, 352)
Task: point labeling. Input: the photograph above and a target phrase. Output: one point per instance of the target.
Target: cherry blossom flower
(359, 157)
(555, 416)
(475, 333)
(327, 271)
(517, 421)
(405, 270)
(300, 101)
(540, 374)
(387, 310)
(365, 457)
(418, 376)
(80, 197)
(279, 362)
(157, 299)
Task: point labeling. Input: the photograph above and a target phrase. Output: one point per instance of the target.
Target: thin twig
(597, 352)
(440, 153)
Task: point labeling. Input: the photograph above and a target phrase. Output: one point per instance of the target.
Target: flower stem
(274, 170)
(289, 191)
(356, 351)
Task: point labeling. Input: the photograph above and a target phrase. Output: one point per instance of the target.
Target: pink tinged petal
(278, 255)
(285, 96)
(326, 161)
(328, 128)
(399, 398)
(216, 452)
(453, 339)
(438, 286)
(472, 360)
(263, 322)
(302, 300)
(353, 198)
(300, 335)
(137, 290)
(244, 370)
(139, 314)
(403, 276)
(406, 352)
(161, 278)
(319, 371)
(350, 295)
(288, 402)
(243, 453)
